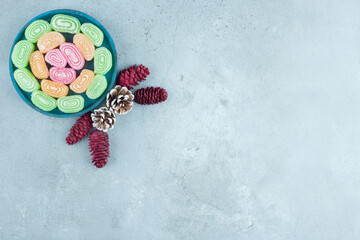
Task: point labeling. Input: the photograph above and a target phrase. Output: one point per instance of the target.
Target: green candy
(21, 53)
(102, 61)
(36, 29)
(43, 101)
(71, 104)
(94, 33)
(65, 23)
(97, 87)
(26, 80)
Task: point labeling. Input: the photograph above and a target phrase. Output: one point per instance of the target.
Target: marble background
(259, 138)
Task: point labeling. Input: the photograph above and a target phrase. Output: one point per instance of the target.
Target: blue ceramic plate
(90, 104)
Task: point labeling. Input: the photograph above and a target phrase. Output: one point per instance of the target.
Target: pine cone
(132, 76)
(80, 129)
(119, 100)
(150, 95)
(99, 148)
(103, 119)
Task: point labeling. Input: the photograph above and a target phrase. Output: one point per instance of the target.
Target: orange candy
(82, 82)
(38, 65)
(54, 89)
(85, 46)
(50, 41)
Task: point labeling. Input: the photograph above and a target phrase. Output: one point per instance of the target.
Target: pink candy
(72, 55)
(62, 75)
(68, 54)
(55, 58)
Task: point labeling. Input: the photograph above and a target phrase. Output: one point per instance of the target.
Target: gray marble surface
(259, 138)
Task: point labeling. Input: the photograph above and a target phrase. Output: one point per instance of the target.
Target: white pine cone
(119, 100)
(103, 119)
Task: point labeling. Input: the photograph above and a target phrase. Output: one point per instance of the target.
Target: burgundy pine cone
(80, 129)
(99, 148)
(150, 95)
(132, 76)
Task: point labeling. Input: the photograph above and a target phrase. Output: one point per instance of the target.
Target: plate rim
(98, 101)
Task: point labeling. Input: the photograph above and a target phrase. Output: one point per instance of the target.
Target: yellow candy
(82, 82)
(50, 41)
(85, 46)
(54, 89)
(38, 65)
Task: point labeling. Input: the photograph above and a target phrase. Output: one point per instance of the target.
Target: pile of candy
(60, 54)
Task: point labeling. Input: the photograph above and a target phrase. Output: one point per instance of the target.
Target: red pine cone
(99, 148)
(150, 95)
(80, 129)
(132, 76)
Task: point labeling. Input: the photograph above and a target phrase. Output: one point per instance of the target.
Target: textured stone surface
(257, 140)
